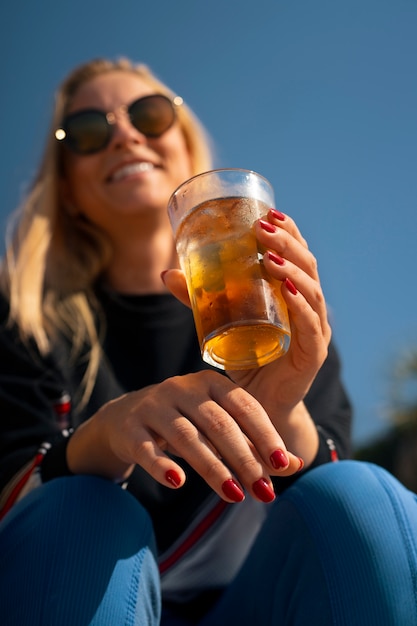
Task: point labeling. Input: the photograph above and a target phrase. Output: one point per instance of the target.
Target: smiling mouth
(131, 168)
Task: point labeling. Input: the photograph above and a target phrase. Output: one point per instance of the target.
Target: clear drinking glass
(240, 315)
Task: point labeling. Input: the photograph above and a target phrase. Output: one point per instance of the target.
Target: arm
(301, 391)
(185, 417)
(34, 413)
(330, 410)
(225, 430)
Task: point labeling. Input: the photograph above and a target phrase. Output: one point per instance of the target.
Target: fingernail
(163, 275)
(267, 226)
(232, 491)
(275, 258)
(173, 478)
(300, 467)
(263, 491)
(279, 459)
(291, 287)
(277, 214)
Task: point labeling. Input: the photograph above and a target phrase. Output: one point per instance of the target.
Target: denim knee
(83, 550)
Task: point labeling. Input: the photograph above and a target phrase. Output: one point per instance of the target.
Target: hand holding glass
(239, 312)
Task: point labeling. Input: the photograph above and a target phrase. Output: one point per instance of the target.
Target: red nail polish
(232, 491)
(267, 226)
(279, 459)
(263, 491)
(275, 258)
(291, 287)
(173, 478)
(277, 214)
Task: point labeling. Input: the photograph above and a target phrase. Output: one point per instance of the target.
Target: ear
(174, 281)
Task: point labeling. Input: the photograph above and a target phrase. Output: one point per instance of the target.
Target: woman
(129, 468)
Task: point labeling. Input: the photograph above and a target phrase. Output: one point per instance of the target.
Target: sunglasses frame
(63, 133)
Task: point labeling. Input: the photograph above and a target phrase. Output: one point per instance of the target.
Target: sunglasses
(90, 130)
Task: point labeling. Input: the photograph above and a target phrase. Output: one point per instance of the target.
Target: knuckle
(213, 471)
(328, 332)
(247, 465)
(143, 451)
(316, 326)
(284, 248)
(182, 432)
(313, 266)
(319, 296)
(143, 446)
(247, 408)
(171, 384)
(215, 424)
(155, 467)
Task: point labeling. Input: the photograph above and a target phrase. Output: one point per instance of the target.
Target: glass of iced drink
(239, 312)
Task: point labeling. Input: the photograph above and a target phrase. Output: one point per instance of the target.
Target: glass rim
(218, 171)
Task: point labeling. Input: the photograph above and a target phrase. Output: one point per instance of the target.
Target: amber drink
(240, 316)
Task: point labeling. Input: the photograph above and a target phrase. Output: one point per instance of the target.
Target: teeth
(132, 168)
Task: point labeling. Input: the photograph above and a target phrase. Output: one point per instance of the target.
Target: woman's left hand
(289, 260)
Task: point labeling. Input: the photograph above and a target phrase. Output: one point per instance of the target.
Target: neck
(139, 259)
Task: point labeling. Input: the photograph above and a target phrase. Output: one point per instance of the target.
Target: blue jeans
(339, 548)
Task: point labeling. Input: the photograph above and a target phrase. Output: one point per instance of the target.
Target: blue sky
(318, 96)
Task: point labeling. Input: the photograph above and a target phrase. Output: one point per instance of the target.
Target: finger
(150, 456)
(232, 458)
(285, 259)
(295, 465)
(216, 421)
(282, 270)
(210, 431)
(310, 333)
(285, 222)
(265, 444)
(174, 281)
(191, 445)
(206, 461)
(287, 246)
(284, 464)
(231, 440)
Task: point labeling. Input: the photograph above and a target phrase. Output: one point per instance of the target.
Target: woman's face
(101, 186)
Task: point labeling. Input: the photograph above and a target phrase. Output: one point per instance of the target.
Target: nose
(123, 130)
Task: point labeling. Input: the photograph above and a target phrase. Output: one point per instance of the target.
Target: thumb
(174, 281)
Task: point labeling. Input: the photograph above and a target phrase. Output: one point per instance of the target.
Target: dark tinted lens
(152, 115)
(87, 131)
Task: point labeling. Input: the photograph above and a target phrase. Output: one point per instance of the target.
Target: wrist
(88, 452)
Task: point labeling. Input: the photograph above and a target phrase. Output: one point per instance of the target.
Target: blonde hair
(53, 259)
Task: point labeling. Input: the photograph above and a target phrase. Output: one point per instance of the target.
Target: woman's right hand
(213, 424)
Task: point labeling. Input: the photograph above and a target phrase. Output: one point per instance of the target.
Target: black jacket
(147, 339)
